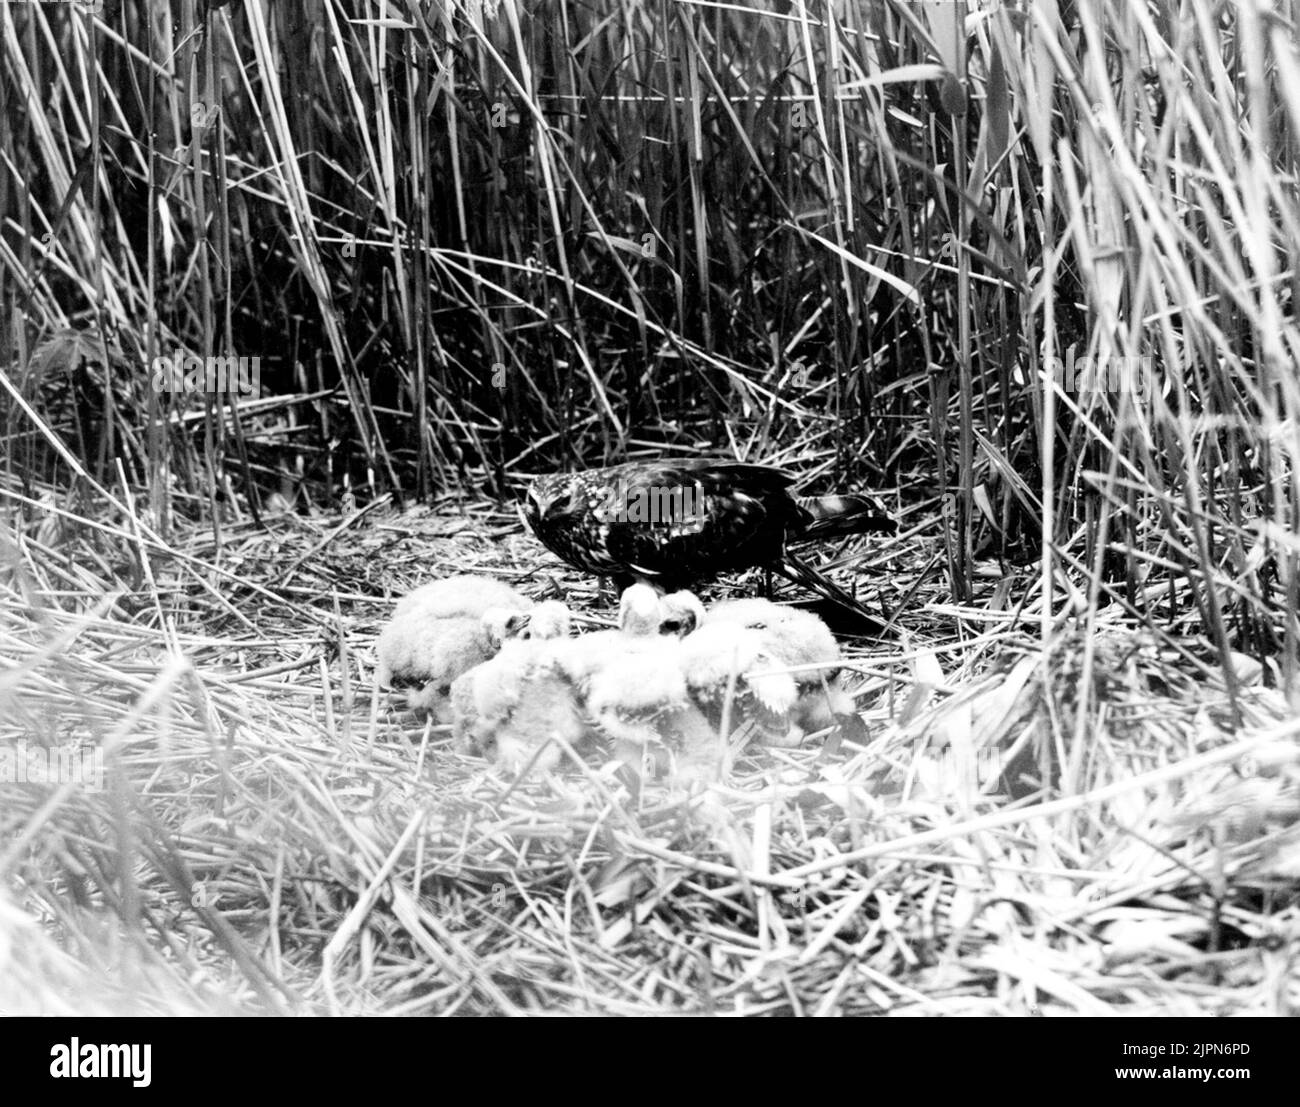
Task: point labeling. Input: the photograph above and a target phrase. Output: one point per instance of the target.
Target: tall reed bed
(469, 240)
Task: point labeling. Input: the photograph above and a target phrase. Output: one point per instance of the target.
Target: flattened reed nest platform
(271, 837)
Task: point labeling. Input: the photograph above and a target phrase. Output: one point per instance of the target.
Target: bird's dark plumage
(677, 522)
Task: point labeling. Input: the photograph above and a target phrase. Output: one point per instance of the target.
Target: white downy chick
(461, 596)
(794, 638)
(638, 630)
(514, 703)
(546, 620)
(680, 613)
(632, 686)
(421, 654)
(735, 680)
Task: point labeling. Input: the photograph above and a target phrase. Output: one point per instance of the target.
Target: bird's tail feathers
(836, 516)
(794, 569)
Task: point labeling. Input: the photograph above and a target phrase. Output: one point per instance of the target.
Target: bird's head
(535, 504)
(680, 613)
(552, 497)
(549, 619)
(548, 496)
(638, 610)
(501, 624)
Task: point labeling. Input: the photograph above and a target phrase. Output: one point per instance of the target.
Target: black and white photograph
(650, 508)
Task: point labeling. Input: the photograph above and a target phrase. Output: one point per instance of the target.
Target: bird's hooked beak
(534, 506)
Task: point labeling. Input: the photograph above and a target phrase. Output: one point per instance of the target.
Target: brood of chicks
(667, 691)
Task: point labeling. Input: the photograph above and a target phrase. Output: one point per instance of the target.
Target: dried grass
(860, 240)
(273, 838)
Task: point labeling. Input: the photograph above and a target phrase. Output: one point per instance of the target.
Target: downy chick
(632, 686)
(461, 596)
(680, 613)
(546, 620)
(736, 682)
(421, 654)
(638, 630)
(794, 638)
(514, 703)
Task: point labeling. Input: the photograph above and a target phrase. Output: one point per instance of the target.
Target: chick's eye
(670, 626)
(444, 689)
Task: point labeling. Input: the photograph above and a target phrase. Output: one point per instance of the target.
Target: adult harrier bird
(677, 522)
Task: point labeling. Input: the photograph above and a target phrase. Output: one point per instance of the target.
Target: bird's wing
(671, 520)
(680, 521)
(757, 479)
(841, 516)
(802, 573)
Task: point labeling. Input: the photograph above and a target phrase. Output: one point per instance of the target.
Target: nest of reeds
(1090, 826)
